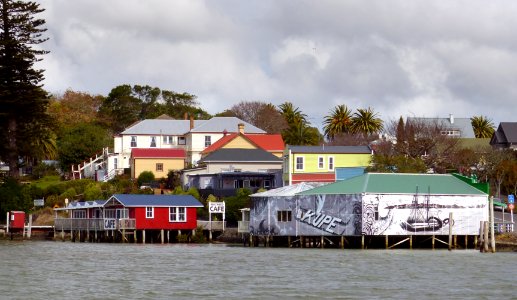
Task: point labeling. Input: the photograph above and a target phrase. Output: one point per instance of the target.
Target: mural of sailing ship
(420, 218)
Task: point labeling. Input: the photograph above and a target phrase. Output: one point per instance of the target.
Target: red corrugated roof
(158, 153)
(268, 142)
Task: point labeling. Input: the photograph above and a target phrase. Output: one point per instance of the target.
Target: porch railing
(214, 225)
(93, 224)
(243, 227)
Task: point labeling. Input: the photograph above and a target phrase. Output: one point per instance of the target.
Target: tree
(366, 122)
(23, 102)
(339, 121)
(298, 131)
(260, 114)
(145, 177)
(120, 109)
(73, 108)
(81, 142)
(482, 126)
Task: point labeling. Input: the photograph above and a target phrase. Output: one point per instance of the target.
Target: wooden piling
(143, 236)
(432, 242)
(386, 241)
(342, 242)
(411, 242)
(162, 237)
(485, 236)
(450, 231)
(362, 242)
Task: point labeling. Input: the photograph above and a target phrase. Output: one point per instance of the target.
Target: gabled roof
(505, 134)
(268, 142)
(331, 149)
(225, 124)
(464, 125)
(158, 153)
(83, 205)
(241, 155)
(390, 183)
(134, 200)
(161, 127)
(289, 190)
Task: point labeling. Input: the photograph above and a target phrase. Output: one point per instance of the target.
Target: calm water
(65, 270)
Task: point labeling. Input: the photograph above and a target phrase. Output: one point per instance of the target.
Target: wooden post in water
(134, 236)
(492, 233)
(29, 229)
(322, 242)
(450, 231)
(162, 236)
(481, 235)
(362, 242)
(432, 242)
(411, 242)
(485, 237)
(386, 241)
(143, 236)
(342, 242)
(289, 242)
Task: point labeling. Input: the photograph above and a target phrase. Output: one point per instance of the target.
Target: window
(122, 213)
(133, 141)
(149, 212)
(238, 184)
(321, 162)
(109, 214)
(208, 141)
(283, 216)
(153, 141)
(79, 214)
(168, 140)
(267, 184)
(451, 132)
(299, 163)
(177, 214)
(159, 167)
(182, 140)
(331, 163)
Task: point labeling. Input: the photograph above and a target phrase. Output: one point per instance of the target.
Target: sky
(407, 58)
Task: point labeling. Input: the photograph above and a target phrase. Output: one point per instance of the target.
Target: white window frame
(122, 213)
(168, 140)
(153, 142)
(109, 214)
(133, 143)
(177, 214)
(149, 212)
(182, 140)
(331, 162)
(302, 163)
(321, 162)
(208, 141)
(79, 214)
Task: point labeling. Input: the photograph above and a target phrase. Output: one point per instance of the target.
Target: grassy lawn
(46, 181)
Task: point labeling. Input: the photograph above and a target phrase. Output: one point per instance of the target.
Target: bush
(145, 177)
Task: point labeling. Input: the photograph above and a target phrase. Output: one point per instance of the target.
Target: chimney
(225, 132)
(241, 128)
(191, 122)
(451, 118)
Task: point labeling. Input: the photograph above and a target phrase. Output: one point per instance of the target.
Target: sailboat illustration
(419, 218)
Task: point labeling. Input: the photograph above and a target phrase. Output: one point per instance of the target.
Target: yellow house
(321, 163)
(159, 161)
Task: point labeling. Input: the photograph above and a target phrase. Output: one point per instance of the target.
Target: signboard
(216, 207)
(110, 224)
(511, 199)
(39, 202)
(510, 206)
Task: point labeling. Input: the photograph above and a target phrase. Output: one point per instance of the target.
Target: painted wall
(424, 215)
(310, 215)
(369, 215)
(239, 143)
(244, 167)
(149, 164)
(161, 219)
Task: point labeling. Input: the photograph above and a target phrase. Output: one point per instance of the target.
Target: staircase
(89, 169)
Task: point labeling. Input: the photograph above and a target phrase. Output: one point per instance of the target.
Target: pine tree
(23, 102)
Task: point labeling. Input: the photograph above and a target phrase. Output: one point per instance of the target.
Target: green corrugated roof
(397, 183)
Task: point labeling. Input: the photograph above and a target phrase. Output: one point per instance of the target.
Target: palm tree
(301, 135)
(291, 114)
(482, 126)
(339, 121)
(366, 122)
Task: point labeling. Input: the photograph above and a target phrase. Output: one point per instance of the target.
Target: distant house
(505, 137)
(162, 133)
(157, 161)
(451, 126)
(319, 163)
(228, 169)
(131, 217)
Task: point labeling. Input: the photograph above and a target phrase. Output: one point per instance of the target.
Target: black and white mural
(306, 215)
(368, 214)
(423, 214)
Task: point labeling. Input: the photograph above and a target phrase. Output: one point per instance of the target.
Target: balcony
(67, 224)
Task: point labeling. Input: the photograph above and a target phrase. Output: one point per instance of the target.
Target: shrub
(145, 177)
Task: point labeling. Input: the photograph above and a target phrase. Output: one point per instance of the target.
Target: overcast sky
(401, 58)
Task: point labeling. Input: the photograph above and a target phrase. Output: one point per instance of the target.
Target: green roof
(398, 183)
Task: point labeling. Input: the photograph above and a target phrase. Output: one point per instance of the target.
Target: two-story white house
(192, 135)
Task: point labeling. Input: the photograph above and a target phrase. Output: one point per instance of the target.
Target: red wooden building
(145, 218)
